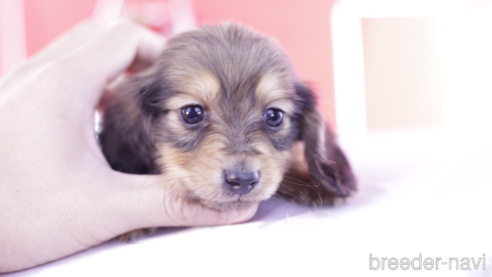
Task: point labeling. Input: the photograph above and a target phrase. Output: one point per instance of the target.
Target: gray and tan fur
(235, 75)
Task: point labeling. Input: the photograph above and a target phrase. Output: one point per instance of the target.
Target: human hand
(58, 195)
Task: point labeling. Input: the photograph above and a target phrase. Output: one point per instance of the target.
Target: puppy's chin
(226, 206)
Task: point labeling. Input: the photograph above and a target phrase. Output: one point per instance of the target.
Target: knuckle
(125, 26)
(177, 210)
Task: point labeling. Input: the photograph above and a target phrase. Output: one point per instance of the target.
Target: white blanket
(423, 195)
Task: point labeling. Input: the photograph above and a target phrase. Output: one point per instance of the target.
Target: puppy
(219, 114)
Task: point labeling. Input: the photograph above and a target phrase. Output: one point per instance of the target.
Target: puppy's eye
(273, 117)
(192, 114)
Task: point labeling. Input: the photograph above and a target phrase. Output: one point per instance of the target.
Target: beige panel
(402, 72)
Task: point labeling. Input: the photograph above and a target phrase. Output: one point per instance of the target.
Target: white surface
(421, 192)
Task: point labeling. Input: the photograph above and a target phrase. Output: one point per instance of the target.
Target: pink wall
(46, 19)
(301, 27)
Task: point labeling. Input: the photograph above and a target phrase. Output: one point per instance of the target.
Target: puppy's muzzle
(241, 182)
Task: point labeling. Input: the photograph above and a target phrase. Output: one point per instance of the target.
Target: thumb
(179, 211)
(150, 202)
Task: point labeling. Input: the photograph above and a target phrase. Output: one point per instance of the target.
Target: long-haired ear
(329, 174)
(126, 134)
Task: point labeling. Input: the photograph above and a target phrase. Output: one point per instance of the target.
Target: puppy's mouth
(236, 191)
(237, 202)
(230, 201)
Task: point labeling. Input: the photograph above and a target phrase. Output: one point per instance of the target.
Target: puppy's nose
(242, 182)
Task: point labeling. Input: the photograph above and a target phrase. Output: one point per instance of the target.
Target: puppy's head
(222, 100)
(221, 110)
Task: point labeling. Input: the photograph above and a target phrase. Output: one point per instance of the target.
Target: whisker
(298, 194)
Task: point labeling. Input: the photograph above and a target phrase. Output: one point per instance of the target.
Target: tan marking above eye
(284, 105)
(273, 92)
(196, 89)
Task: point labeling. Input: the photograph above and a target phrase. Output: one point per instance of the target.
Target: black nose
(241, 182)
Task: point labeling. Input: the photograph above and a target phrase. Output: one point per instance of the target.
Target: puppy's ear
(126, 134)
(329, 173)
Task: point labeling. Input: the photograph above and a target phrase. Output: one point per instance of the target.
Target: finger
(93, 66)
(63, 45)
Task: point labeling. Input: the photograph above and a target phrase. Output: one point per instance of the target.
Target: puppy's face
(223, 107)
(228, 148)
(217, 116)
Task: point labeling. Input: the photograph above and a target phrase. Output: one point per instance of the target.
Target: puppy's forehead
(227, 64)
(267, 91)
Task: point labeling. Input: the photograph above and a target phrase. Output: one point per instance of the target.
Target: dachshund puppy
(218, 114)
